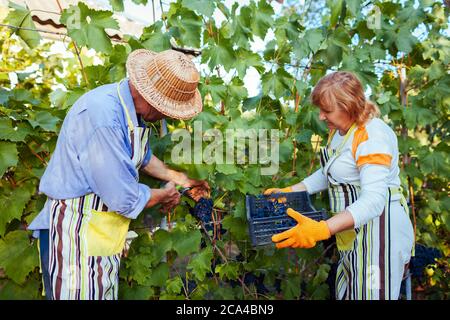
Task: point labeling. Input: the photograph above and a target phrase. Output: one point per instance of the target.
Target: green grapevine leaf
(205, 7)
(8, 156)
(336, 7)
(21, 17)
(11, 133)
(13, 291)
(228, 271)
(154, 39)
(117, 5)
(17, 256)
(174, 285)
(185, 243)
(200, 263)
(45, 120)
(158, 275)
(262, 18)
(87, 26)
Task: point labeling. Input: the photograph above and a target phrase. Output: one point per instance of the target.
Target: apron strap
(404, 203)
(124, 106)
(334, 156)
(347, 136)
(399, 191)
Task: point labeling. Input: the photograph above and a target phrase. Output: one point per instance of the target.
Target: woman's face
(335, 118)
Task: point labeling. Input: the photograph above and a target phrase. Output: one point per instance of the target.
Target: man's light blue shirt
(93, 155)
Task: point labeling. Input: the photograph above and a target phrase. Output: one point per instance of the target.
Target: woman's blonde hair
(344, 90)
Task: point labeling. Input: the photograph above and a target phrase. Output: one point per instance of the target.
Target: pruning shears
(182, 191)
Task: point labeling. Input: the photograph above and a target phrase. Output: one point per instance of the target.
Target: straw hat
(167, 80)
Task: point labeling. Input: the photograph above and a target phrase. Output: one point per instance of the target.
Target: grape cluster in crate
(266, 214)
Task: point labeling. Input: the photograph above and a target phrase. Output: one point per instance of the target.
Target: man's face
(151, 114)
(145, 109)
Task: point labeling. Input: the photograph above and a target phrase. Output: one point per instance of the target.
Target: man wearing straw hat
(92, 179)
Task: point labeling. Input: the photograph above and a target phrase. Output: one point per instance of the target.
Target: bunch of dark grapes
(269, 207)
(276, 208)
(202, 211)
(423, 257)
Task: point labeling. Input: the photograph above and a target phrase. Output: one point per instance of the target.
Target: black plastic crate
(267, 214)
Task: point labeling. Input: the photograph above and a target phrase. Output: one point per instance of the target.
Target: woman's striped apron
(369, 266)
(86, 239)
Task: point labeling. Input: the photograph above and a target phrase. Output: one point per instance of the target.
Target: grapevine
(301, 44)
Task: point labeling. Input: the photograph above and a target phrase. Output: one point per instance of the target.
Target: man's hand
(168, 197)
(156, 168)
(199, 188)
(183, 180)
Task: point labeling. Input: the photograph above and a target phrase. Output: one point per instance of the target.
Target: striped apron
(87, 240)
(371, 261)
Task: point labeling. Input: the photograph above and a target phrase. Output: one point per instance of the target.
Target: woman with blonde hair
(359, 168)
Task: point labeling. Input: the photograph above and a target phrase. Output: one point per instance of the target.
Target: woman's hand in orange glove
(277, 190)
(304, 235)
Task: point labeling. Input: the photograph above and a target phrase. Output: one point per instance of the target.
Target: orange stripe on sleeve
(359, 137)
(375, 158)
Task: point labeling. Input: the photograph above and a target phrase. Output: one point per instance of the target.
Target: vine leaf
(314, 38)
(21, 17)
(219, 54)
(237, 226)
(262, 18)
(117, 5)
(174, 285)
(214, 87)
(405, 41)
(186, 25)
(8, 156)
(228, 270)
(226, 169)
(154, 39)
(336, 7)
(163, 244)
(17, 256)
(291, 287)
(27, 291)
(436, 161)
(354, 6)
(200, 264)
(45, 120)
(144, 2)
(276, 83)
(185, 243)
(246, 59)
(204, 7)
(87, 26)
(11, 133)
(158, 275)
(13, 202)
(135, 292)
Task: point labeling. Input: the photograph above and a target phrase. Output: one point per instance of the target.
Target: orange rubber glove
(277, 190)
(304, 235)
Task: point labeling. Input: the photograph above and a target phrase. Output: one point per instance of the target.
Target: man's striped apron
(86, 239)
(369, 266)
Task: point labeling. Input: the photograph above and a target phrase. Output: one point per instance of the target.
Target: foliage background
(403, 65)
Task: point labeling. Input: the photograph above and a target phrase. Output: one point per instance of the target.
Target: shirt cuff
(144, 196)
(356, 220)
